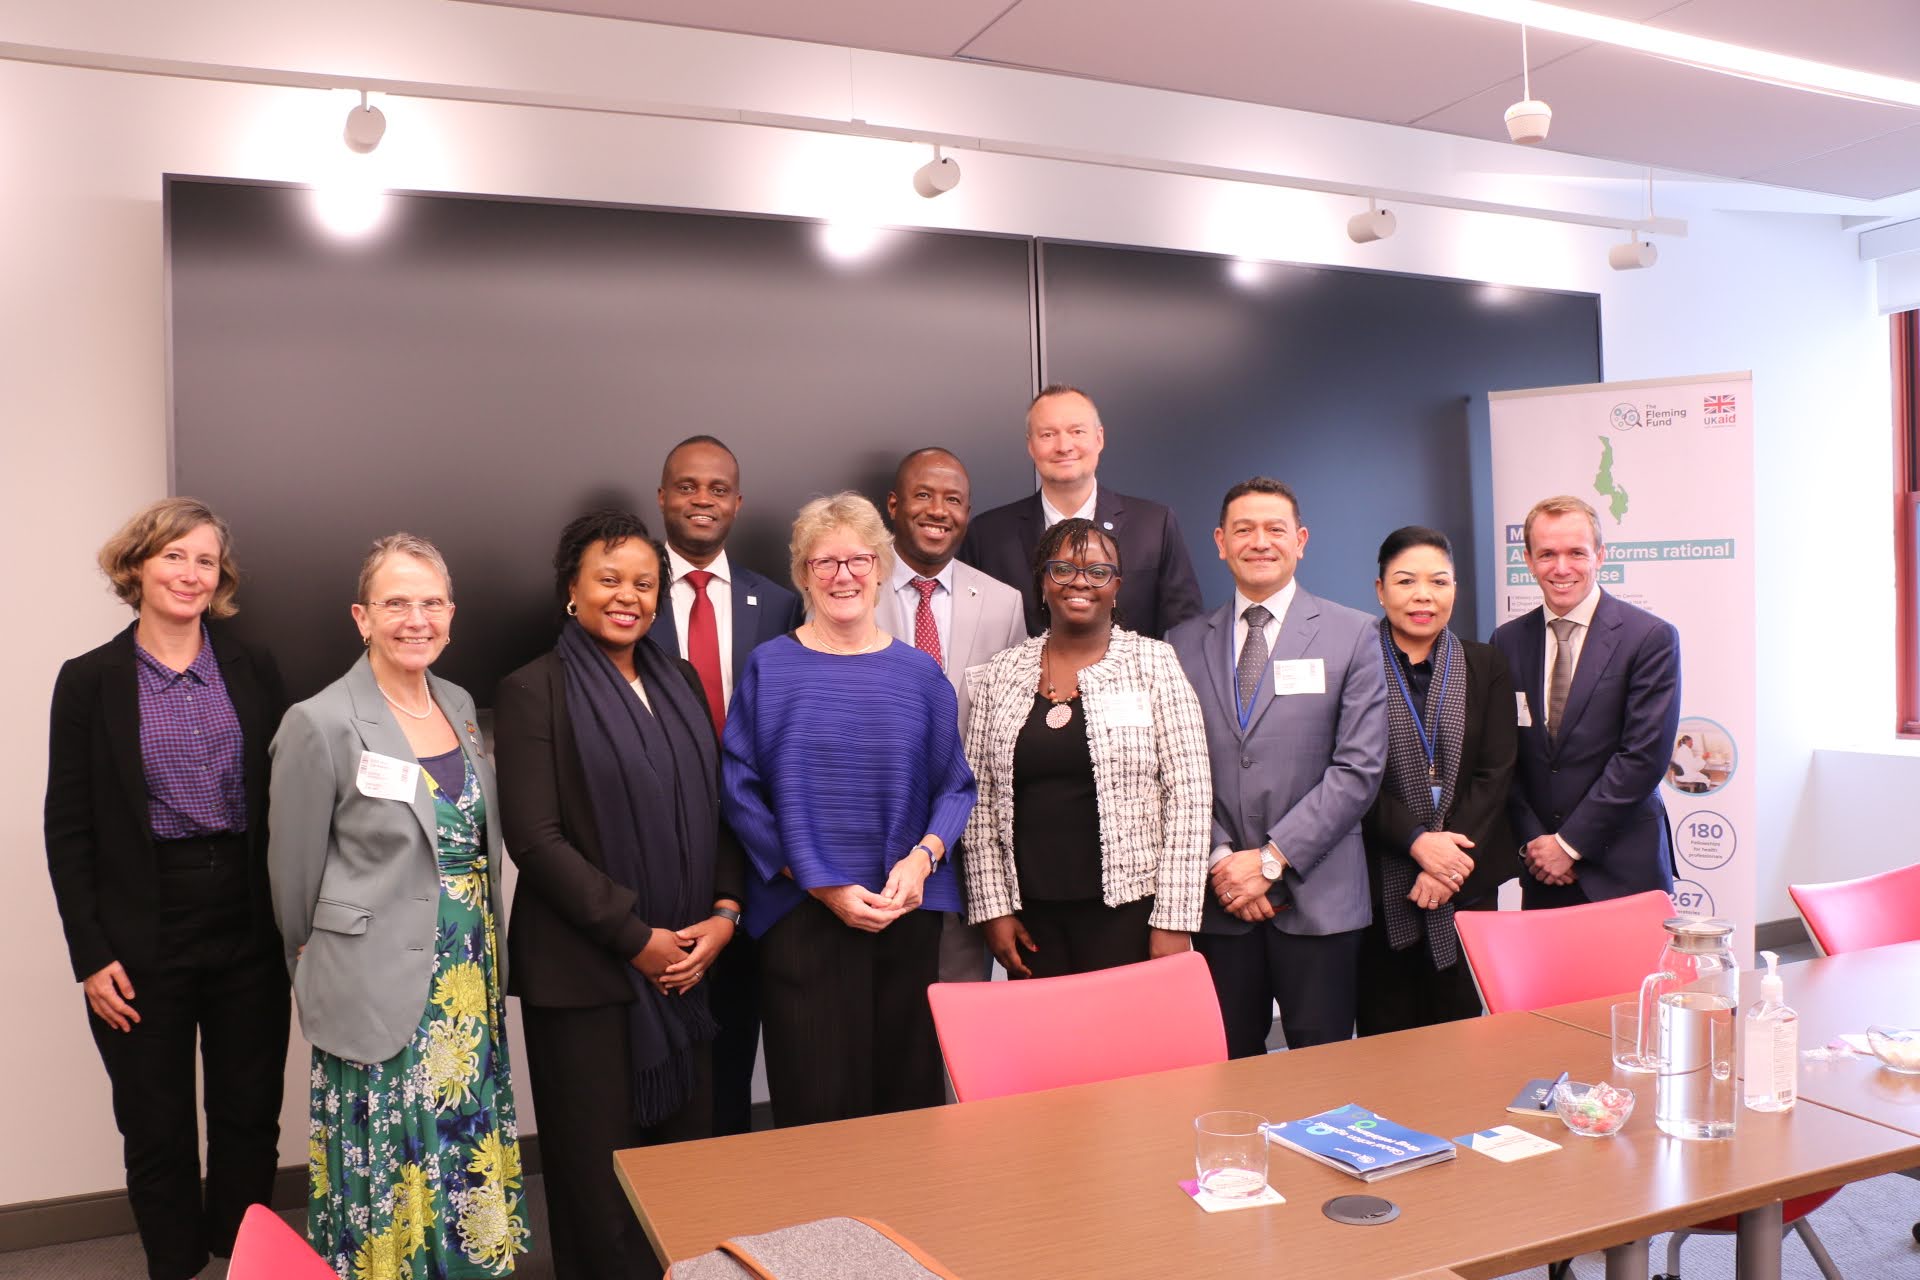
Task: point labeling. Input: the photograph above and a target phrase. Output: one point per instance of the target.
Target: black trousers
(849, 1031)
(218, 987)
(734, 996)
(1313, 978)
(1079, 937)
(1402, 989)
(579, 1064)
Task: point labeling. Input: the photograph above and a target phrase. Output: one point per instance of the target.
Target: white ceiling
(1401, 63)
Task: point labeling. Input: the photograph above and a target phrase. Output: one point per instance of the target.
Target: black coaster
(1361, 1211)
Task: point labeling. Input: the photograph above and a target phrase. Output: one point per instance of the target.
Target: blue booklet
(1355, 1141)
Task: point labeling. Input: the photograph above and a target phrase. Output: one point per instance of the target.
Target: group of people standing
(741, 810)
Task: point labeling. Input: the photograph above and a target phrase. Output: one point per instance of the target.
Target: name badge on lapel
(1126, 709)
(754, 600)
(1299, 675)
(386, 778)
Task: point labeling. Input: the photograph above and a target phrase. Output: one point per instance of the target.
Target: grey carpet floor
(1867, 1228)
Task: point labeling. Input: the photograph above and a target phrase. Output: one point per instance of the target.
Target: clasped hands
(674, 960)
(1548, 861)
(1242, 886)
(1444, 867)
(858, 907)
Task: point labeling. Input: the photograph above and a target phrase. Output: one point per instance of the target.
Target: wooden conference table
(1081, 1181)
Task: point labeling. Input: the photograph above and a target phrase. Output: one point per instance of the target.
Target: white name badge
(1525, 720)
(385, 778)
(1299, 675)
(1126, 709)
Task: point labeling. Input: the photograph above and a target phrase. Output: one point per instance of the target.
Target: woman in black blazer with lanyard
(1437, 837)
(629, 887)
(156, 827)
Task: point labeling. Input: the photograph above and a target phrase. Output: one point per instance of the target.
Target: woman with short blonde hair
(843, 776)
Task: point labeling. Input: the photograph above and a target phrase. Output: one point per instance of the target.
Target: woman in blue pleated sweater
(843, 776)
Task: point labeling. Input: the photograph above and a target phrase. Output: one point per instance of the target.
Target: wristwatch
(728, 913)
(1270, 864)
(933, 861)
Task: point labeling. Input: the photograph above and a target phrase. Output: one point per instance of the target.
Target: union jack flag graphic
(1719, 404)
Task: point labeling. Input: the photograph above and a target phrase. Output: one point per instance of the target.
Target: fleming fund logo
(1719, 411)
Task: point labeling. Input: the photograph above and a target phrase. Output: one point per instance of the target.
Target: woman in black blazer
(1437, 837)
(156, 828)
(629, 887)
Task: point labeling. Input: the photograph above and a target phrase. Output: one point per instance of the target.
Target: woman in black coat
(156, 828)
(1437, 837)
(629, 887)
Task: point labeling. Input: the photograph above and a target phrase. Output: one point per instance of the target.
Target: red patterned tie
(703, 647)
(926, 636)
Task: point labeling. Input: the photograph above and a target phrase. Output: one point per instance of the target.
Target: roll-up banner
(1668, 465)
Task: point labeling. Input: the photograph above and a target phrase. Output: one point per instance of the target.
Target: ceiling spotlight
(1632, 256)
(937, 176)
(366, 125)
(1375, 224)
(1528, 119)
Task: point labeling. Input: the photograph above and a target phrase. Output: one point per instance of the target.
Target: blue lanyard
(1233, 664)
(1429, 743)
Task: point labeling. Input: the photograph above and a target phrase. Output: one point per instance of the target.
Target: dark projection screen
(480, 371)
(1354, 387)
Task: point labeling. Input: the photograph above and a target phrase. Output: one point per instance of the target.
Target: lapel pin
(753, 599)
(1107, 525)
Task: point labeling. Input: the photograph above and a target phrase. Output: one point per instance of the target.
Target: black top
(448, 771)
(1056, 818)
(1418, 676)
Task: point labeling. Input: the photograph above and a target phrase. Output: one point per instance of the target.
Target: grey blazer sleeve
(301, 793)
(1345, 791)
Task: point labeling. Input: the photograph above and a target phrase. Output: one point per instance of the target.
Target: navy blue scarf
(652, 779)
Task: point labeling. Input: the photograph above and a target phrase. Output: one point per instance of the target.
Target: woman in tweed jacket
(1087, 848)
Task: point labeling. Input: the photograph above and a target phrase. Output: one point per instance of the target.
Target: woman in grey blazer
(384, 857)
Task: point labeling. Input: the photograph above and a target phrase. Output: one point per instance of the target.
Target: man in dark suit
(1064, 438)
(1295, 701)
(714, 613)
(1598, 685)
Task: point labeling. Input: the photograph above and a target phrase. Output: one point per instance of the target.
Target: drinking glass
(1627, 1053)
(1230, 1153)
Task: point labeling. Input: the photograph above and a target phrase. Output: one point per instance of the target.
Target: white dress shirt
(941, 602)
(720, 592)
(1054, 517)
(1582, 615)
(1276, 604)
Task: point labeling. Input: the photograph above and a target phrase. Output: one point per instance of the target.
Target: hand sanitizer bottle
(1771, 1054)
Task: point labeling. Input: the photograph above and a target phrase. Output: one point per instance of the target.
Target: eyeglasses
(399, 607)
(1063, 572)
(827, 568)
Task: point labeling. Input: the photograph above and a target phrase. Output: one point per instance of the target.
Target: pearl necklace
(820, 638)
(402, 707)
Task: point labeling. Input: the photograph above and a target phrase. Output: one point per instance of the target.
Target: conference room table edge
(1307, 1184)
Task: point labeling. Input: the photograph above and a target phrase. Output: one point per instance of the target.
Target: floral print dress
(414, 1163)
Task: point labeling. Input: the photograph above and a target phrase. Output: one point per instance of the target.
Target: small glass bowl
(1898, 1049)
(1593, 1110)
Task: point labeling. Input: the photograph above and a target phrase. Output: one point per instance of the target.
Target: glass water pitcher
(1689, 1011)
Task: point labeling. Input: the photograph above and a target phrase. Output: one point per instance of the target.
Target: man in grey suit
(1295, 698)
(952, 611)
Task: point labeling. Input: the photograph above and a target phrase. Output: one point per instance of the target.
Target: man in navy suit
(1064, 438)
(712, 614)
(1295, 701)
(1598, 685)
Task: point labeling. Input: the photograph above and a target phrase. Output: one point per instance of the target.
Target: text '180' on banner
(1668, 465)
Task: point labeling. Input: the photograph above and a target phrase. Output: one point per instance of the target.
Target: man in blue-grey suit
(1295, 700)
(713, 613)
(1598, 686)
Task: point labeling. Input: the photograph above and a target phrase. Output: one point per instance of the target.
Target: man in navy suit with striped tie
(712, 614)
(1599, 704)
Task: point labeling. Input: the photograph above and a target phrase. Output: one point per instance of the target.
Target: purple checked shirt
(191, 746)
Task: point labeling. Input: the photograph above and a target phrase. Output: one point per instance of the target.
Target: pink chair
(268, 1249)
(1525, 960)
(1853, 915)
(1043, 1033)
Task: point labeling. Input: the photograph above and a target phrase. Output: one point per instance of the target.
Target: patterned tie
(1253, 654)
(703, 647)
(926, 636)
(1562, 674)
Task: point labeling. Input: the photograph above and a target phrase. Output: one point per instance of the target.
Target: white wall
(83, 405)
